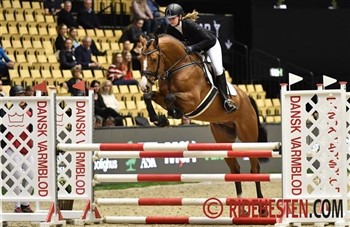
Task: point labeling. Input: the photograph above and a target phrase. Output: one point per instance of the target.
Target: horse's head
(149, 57)
(159, 56)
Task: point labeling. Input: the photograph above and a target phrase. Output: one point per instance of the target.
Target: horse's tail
(262, 134)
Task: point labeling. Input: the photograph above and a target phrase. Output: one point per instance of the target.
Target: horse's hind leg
(235, 168)
(225, 134)
(248, 132)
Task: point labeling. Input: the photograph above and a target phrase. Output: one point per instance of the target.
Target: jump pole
(188, 220)
(188, 154)
(114, 178)
(183, 146)
(177, 201)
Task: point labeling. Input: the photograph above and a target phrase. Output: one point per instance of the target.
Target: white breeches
(215, 55)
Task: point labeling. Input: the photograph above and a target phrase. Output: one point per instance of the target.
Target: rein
(167, 73)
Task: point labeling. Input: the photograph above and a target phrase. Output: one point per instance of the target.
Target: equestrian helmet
(17, 90)
(173, 10)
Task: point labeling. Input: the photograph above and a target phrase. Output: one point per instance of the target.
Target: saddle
(209, 72)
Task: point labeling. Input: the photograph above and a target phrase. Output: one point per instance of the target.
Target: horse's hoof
(162, 121)
(175, 113)
(154, 118)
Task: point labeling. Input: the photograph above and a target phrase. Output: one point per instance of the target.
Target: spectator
(87, 18)
(52, 7)
(73, 35)
(133, 31)
(29, 91)
(127, 60)
(100, 107)
(109, 122)
(67, 57)
(24, 162)
(2, 93)
(66, 17)
(98, 121)
(118, 70)
(83, 55)
(108, 96)
(5, 64)
(77, 77)
(136, 55)
(158, 15)
(126, 46)
(62, 31)
(140, 9)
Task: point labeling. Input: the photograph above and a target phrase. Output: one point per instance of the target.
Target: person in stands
(158, 15)
(52, 7)
(77, 77)
(140, 9)
(132, 32)
(87, 18)
(5, 64)
(184, 28)
(62, 30)
(127, 60)
(67, 56)
(65, 16)
(136, 55)
(83, 54)
(101, 109)
(117, 71)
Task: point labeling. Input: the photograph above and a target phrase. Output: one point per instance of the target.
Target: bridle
(167, 72)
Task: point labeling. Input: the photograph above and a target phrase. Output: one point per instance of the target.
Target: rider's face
(174, 21)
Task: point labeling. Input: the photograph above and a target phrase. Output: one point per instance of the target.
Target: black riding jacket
(193, 35)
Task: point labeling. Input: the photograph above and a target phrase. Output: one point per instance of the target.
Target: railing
(240, 67)
(261, 64)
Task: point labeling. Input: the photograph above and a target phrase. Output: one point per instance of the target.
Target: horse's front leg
(160, 121)
(173, 111)
(179, 103)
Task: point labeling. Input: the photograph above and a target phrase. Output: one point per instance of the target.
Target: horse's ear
(143, 40)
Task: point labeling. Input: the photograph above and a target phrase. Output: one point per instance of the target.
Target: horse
(184, 89)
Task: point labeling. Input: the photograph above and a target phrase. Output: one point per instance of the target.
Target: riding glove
(189, 49)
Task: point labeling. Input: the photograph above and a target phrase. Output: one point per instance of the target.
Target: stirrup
(229, 106)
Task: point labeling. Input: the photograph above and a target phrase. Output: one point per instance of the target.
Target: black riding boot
(229, 104)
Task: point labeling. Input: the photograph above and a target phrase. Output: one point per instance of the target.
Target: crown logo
(16, 119)
(59, 119)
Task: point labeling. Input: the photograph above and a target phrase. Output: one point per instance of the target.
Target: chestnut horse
(184, 88)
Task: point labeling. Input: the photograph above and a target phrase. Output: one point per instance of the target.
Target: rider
(199, 39)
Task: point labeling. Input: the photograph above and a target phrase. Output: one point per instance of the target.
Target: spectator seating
(28, 37)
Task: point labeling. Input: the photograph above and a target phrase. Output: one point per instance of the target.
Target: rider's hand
(189, 49)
